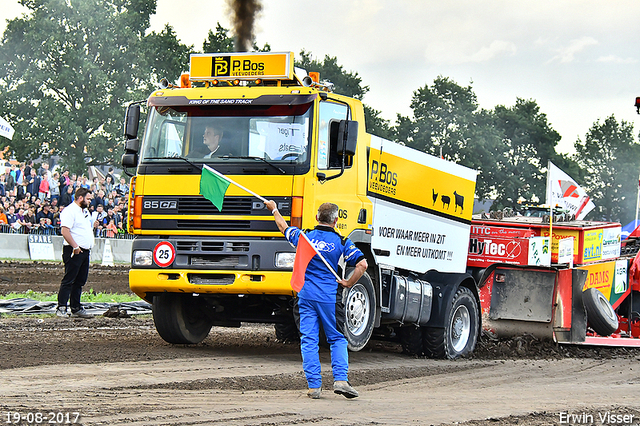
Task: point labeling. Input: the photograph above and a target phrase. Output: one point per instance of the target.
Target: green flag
(213, 187)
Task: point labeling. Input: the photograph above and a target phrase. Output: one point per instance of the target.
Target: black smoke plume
(244, 15)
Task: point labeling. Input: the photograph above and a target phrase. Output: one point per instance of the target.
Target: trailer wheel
(460, 334)
(411, 340)
(179, 318)
(600, 314)
(359, 308)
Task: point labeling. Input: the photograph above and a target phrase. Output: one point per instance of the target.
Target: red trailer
(585, 291)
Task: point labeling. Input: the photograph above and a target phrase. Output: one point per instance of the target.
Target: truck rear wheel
(359, 308)
(600, 314)
(287, 331)
(179, 319)
(460, 334)
(411, 340)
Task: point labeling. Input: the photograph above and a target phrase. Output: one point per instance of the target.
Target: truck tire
(600, 314)
(359, 308)
(411, 340)
(460, 334)
(178, 318)
(287, 332)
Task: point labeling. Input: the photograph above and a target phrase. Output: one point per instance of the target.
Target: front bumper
(144, 281)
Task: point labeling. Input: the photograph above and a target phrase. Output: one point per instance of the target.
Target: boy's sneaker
(81, 314)
(62, 312)
(342, 387)
(314, 393)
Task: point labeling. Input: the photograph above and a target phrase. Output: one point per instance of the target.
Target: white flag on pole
(5, 129)
(563, 191)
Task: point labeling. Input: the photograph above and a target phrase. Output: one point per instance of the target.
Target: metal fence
(55, 230)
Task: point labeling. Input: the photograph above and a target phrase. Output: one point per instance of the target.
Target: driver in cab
(211, 138)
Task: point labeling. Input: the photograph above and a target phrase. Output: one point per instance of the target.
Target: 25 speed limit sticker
(164, 254)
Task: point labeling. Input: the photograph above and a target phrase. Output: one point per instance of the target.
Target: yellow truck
(286, 136)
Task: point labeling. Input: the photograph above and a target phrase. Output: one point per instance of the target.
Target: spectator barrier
(16, 246)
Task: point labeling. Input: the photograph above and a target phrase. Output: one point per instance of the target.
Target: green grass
(87, 296)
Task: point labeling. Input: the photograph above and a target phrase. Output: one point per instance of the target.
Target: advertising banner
(539, 251)
(422, 208)
(611, 242)
(495, 244)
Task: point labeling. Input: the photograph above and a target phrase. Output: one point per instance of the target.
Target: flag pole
(264, 200)
(637, 204)
(549, 191)
(321, 257)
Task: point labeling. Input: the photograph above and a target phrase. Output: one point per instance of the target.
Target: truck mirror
(346, 136)
(129, 159)
(132, 145)
(131, 121)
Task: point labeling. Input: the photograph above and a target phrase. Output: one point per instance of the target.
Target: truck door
(342, 190)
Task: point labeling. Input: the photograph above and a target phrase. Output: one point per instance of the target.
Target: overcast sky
(578, 59)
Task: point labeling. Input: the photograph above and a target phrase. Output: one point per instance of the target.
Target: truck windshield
(277, 134)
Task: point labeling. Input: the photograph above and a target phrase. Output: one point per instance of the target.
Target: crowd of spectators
(31, 200)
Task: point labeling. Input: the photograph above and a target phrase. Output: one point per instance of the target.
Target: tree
(447, 121)
(528, 143)
(69, 69)
(348, 84)
(610, 156)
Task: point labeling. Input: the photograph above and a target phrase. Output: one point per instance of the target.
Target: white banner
(563, 191)
(418, 241)
(5, 129)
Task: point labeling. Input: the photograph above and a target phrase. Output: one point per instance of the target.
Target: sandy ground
(119, 372)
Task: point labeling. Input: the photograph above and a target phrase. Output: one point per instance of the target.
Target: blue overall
(320, 302)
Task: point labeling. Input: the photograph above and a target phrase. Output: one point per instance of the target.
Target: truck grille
(200, 205)
(218, 261)
(211, 279)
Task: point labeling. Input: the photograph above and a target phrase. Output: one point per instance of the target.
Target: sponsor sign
(231, 66)
(601, 276)
(611, 242)
(559, 234)
(539, 251)
(565, 251)
(41, 247)
(608, 277)
(592, 248)
(495, 244)
(484, 251)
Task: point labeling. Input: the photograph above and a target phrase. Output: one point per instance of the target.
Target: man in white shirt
(77, 229)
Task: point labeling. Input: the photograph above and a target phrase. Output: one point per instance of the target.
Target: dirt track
(118, 371)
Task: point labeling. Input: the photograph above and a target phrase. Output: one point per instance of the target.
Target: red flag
(304, 254)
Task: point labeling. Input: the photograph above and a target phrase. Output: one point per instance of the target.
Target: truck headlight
(142, 258)
(285, 260)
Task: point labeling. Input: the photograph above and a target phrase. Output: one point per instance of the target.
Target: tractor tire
(460, 334)
(600, 314)
(179, 319)
(359, 308)
(411, 340)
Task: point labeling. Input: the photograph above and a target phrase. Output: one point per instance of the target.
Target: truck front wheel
(360, 308)
(179, 318)
(460, 334)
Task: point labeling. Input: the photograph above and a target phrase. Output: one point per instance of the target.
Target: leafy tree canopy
(348, 84)
(69, 69)
(610, 156)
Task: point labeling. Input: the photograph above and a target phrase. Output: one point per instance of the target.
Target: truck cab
(286, 137)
